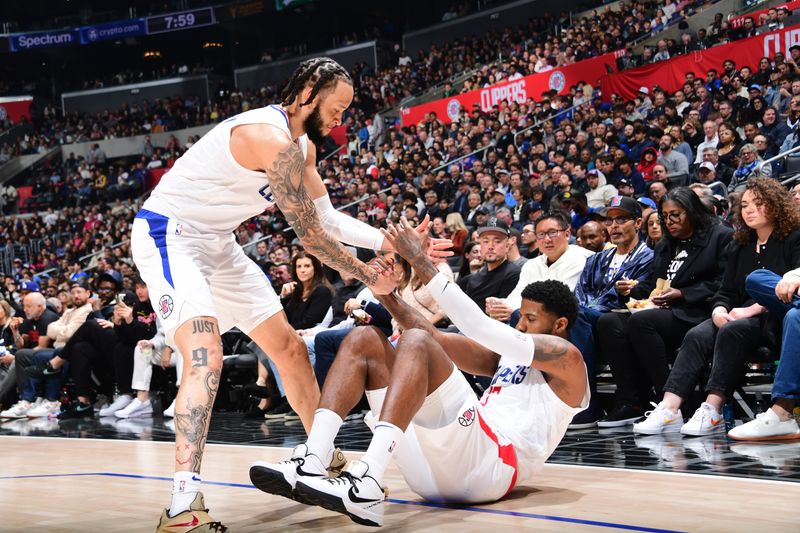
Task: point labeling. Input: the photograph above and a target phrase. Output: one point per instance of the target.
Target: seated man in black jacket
(134, 320)
(89, 349)
(499, 276)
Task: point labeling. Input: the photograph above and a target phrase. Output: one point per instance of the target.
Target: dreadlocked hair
(321, 71)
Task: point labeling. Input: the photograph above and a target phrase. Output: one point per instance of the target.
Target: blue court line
(502, 512)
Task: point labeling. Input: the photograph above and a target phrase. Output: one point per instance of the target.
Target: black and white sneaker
(622, 415)
(354, 493)
(280, 478)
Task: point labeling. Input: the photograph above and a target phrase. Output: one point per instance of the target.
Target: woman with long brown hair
(766, 236)
(306, 300)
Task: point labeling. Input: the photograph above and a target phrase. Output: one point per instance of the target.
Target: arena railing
(778, 158)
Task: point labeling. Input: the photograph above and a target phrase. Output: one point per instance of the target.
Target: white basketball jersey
(524, 411)
(208, 189)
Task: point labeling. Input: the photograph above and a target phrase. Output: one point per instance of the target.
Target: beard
(313, 126)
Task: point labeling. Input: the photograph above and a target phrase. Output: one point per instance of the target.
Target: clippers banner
(559, 79)
(670, 74)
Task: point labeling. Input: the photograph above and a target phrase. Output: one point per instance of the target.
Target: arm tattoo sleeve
(286, 182)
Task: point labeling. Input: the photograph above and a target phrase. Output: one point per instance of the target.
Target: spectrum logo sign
(49, 39)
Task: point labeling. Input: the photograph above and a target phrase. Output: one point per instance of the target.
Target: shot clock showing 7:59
(182, 20)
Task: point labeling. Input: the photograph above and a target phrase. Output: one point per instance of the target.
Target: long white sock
(384, 441)
(323, 430)
(185, 486)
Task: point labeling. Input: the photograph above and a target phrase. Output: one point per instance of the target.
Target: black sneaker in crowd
(254, 413)
(45, 371)
(278, 412)
(622, 415)
(77, 409)
(586, 419)
(291, 415)
(257, 391)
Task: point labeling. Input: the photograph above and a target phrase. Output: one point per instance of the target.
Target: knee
(761, 279)
(415, 341)
(364, 340)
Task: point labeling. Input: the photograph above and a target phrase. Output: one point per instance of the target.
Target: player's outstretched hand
(439, 249)
(406, 240)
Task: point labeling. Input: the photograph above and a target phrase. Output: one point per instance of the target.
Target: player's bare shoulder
(255, 146)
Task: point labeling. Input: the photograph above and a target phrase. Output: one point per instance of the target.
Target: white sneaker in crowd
(44, 408)
(18, 410)
(122, 401)
(659, 420)
(136, 409)
(705, 421)
(767, 426)
(169, 412)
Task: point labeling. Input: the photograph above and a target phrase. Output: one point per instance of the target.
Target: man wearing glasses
(558, 260)
(625, 265)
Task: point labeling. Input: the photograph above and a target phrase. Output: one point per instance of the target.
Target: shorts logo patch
(467, 418)
(165, 306)
(178, 229)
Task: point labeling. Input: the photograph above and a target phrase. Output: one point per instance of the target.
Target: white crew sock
(384, 441)
(323, 430)
(185, 486)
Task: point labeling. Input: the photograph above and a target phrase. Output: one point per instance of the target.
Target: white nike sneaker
(659, 420)
(44, 408)
(18, 410)
(169, 412)
(136, 409)
(705, 421)
(280, 478)
(354, 493)
(767, 426)
(122, 401)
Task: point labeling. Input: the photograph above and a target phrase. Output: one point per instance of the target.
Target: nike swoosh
(715, 424)
(301, 472)
(355, 499)
(82, 408)
(668, 420)
(193, 523)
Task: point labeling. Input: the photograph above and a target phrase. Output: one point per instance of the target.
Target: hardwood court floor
(56, 484)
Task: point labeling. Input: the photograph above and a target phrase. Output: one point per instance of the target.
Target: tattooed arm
(285, 166)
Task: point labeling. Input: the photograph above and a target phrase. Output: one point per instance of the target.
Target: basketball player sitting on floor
(449, 445)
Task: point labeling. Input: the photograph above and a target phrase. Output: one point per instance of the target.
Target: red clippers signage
(738, 22)
(670, 74)
(519, 90)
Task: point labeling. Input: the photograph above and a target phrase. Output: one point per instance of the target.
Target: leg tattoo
(193, 425)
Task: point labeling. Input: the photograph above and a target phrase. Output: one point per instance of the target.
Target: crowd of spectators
(607, 198)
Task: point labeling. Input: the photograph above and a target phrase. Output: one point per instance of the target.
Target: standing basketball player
(449, 445)
(201, 282)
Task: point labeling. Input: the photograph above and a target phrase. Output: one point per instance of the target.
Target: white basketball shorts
(449, 453)
(191, 274)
